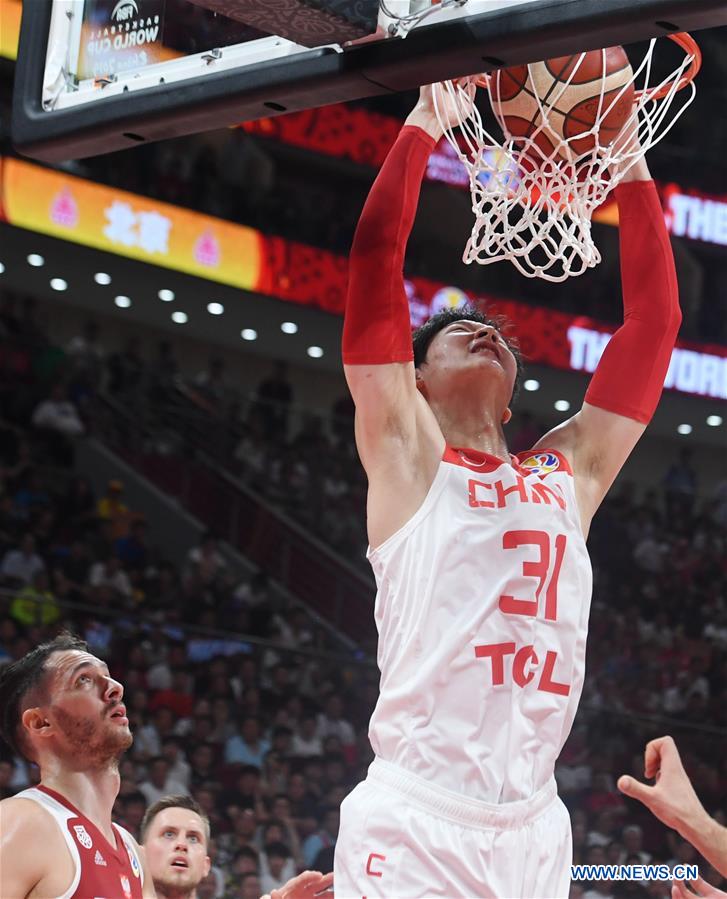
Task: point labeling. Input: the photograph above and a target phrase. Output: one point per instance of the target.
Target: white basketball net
(535, 209)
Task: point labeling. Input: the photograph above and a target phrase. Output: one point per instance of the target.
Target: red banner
(73, 209)
(365, 137)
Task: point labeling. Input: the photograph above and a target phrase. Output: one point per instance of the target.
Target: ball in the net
(566, 97)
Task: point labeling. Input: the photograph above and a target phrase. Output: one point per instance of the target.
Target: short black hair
(424, 335)
(246, 852)
(277, 849)
(185, 802)
(18, 679)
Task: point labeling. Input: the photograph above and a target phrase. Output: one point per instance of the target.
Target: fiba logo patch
(134, 863)
(124, 10)
(83, 836)
(541, 463)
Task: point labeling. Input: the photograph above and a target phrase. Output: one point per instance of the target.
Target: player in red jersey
(175, 835)
(480, 559)
(62, 709)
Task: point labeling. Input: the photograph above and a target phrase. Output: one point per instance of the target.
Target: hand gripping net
(535, 209)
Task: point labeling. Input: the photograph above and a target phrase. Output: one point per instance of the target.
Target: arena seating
(252, 710)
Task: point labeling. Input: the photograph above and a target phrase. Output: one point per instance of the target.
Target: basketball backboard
(95, 76)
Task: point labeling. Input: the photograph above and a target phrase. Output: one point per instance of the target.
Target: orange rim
(691, 48)
(682, 38)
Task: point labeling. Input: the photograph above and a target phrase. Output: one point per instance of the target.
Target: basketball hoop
(533, 204)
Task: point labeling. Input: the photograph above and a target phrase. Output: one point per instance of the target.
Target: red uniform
(102, 871)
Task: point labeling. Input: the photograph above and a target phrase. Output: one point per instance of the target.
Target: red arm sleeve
(630, 375)
(377, 327)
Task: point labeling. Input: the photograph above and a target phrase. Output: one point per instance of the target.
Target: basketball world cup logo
(134, 862)
(541, 463)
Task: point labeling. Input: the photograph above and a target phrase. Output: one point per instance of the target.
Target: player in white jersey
(483, 576)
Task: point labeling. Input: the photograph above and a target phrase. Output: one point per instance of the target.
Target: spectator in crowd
(86, 356)
(35, 603)
(133, 550)
(159, 782)
(276, 867)
(179, 767)
(324, 838)
(58, 422)
(111, 508)
(179, 698)
(111, 574)
(170, 657)
(248, 747)
(203, 757)
(331, 722)
(21, 565)
(205, 562)
(31, 496)
(633, 841)
(307, 741)
(57, 414)
(238, 848)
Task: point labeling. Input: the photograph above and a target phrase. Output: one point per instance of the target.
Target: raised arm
(377, 346)
(396, 434)
(626, 387)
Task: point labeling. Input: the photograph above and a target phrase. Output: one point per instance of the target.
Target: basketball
(577, 92)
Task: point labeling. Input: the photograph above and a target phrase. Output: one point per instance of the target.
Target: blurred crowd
(239, 700)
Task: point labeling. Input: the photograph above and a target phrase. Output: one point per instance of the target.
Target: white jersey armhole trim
(58, 811)
(129, 842)
(435, 489)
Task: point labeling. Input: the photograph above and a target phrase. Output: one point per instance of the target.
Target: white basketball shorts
(404, 838)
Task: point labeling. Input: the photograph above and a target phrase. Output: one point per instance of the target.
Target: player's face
(176, 850)
(85, 708)
(465, 349)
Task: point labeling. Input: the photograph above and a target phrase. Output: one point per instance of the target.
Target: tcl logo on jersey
(548, 553)
(522, 673)
(83, 836)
